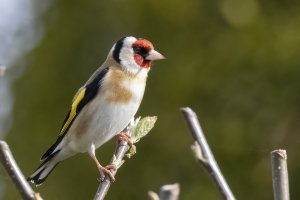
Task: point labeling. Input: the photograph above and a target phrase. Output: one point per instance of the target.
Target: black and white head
(134, 54)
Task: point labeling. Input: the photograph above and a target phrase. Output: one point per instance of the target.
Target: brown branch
(204, 154)
(15, 173)
(104, 185)
(280, 175)
(137, 129)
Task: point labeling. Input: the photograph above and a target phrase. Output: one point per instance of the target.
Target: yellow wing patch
(73, 113)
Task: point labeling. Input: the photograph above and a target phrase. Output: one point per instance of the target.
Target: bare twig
(153, 195)
(204, 154)
(137, 129)
(104, 185)
(167, 192)
(15, 173)
(280, 175)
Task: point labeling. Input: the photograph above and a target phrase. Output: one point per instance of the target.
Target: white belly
(100, 121)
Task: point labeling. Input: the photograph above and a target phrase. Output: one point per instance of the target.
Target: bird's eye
(140, 50)
(136, 49)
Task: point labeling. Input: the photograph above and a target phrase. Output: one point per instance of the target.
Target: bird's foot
(107, 170)
(124, 137)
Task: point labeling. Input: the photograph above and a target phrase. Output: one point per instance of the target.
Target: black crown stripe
(118, 47)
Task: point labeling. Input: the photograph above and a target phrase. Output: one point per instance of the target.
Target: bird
(103, 106)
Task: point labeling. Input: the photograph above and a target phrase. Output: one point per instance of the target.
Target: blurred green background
(236, 63)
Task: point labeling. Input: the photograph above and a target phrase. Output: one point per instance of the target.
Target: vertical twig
(15, 173)
(280, 175)
(137, 129)
(120, 152)
(153, 195)
(204, 154)
(167, 192)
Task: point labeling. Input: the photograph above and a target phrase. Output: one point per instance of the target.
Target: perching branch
(280, 175)
(137, 129)
(167, 192)
(104, 185)
(15, 173)
(204, 155)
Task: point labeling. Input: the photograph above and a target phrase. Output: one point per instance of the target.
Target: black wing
(83, 97)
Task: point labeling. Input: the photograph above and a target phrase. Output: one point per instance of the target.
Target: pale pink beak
(154, 55)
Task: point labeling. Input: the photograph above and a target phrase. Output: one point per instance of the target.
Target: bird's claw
(124, 137)
(107, 170)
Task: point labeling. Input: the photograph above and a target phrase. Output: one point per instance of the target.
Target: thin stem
(280, 175)
(137, 129)
(206, 158)
(15, 173)
(169, 192)
(104, 185)
(153, 195)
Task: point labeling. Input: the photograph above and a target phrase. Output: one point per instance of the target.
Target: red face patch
(141, 48)
(141, 61)
(143, 44)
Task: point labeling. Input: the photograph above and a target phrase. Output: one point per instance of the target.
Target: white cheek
(128, 62)
(126, 57)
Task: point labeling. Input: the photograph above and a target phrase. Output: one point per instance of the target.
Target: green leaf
(142, 128)
(138, 129)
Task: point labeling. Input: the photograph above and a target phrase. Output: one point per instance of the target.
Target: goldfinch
(103, 106)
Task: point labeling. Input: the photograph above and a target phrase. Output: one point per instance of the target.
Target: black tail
(43, 171)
